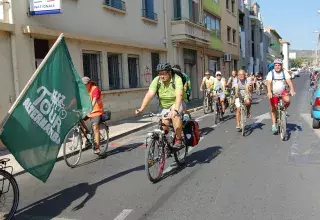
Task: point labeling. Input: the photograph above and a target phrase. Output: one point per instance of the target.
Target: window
(155, 59)
(176, 9)
(194, 11)
(234, 36)
(114, 70)
(213, 24)
(133, 68)
(229, 34)
(216, 1)
(148, 10)
(41, 48)
(118, 4)
(227, 4)
(91, 66)
(232, 5)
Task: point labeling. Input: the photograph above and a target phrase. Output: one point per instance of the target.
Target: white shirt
(279, 83)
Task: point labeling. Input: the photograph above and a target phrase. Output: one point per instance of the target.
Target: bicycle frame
(3, 166)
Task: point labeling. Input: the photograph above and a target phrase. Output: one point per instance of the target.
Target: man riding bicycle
(242, 89)
(276, 86)
(208, 81)
(97, 110)
(233, 80)
(218, 87)
(169, 88)
(259, 80)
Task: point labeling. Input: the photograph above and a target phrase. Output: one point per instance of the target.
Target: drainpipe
(165, 23)
(9, 10)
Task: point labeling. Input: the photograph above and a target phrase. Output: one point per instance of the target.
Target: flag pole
(33, 77)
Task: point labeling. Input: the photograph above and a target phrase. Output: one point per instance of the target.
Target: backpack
(191, 133)
(284, 77)
(173, 73)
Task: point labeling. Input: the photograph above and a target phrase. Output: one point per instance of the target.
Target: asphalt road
(227, 176)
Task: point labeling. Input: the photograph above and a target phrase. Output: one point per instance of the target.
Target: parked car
(295, 71)
(315, 109)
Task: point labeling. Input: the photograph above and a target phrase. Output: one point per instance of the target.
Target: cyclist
(187, 85)
(169, 88)
(259, 80)
(233, 80)
(97, 110)
(218, 87)
(242, 88)
(276, 86)
(207, 80)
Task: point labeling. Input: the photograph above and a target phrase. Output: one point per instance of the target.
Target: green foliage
(296, 63)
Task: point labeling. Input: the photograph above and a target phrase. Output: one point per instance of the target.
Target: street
(227, 176)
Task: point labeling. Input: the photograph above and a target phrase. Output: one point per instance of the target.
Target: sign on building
(45, 7)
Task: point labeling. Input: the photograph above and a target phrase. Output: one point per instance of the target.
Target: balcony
(115, 6)
(189, 32)
(149, 16)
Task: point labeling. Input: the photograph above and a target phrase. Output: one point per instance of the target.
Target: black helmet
(176, 67)
(164, 67)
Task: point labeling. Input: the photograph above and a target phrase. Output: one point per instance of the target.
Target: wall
(285, 50)
(6, 75)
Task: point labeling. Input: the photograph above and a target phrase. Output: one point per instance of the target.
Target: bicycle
(160, 147)
(231, 100)
(243, 114)
(207, 101)
(217, 108)
(79, 130)
(281, 118)
(5, 189)
(259, 86)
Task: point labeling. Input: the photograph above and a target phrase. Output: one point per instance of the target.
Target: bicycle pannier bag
(191, 133)
(106, 116)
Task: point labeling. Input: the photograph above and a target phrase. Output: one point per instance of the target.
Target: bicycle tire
(162, 163)
(65, 155)
(283, 129)
(243, 123)
(104, 144)
(205, 105)
(15, 187)
(181, 161)
(215, 116)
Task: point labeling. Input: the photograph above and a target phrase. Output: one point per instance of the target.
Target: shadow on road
(198, 157)
(55, 204)
(254, 126)
(117, 150)
(291, 128)
(206, 131)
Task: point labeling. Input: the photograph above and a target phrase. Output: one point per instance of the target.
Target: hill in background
(303, 53)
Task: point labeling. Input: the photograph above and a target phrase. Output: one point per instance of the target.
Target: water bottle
(186, 117)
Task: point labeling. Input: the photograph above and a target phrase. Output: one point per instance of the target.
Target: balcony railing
(187, 19)
(150, 15)
(121, 5)
(216, 33)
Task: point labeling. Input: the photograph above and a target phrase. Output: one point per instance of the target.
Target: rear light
(316, 104)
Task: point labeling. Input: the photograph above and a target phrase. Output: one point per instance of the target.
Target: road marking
(43, 217)
(199, 118)
(124, 214)
(307, 118)
(262, 117)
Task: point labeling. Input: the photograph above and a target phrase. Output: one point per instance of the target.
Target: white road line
(199, 118)
(43, 217)
(124, 214)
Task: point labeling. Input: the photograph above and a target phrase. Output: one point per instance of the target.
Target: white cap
(85, 80)
(218, 73)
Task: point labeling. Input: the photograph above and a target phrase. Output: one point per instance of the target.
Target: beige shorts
(183, 106)
(237, 101)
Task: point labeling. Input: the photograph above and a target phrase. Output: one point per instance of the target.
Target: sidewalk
(117, 130)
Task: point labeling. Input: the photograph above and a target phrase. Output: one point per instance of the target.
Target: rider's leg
(222, 98)
(273, 103)
(286, 99)
(95, 126)
(238, 116)
(247, 102)
(177, 125)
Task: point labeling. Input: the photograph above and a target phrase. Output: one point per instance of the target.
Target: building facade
(121, 60)
(276, 47)
(230, 36)
(285, 51)
(245, 35)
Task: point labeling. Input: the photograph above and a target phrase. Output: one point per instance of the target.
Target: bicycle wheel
(74, 148)
(205, 105)
(283, 127)
(8, 214)
(215, 113)
(155, 154)
(104, 139)
(243, 122)
(180, 156)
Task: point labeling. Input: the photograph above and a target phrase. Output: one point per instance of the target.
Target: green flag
(52, 102)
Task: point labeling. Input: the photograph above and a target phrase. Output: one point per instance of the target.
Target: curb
(116, 137)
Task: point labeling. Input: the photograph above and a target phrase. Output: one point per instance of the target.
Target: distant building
(292, 55)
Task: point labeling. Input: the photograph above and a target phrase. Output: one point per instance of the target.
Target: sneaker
(274, 128)
(238, 128)
(177, 144)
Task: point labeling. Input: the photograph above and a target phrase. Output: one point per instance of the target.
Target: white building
(285, 52)
(292, 55)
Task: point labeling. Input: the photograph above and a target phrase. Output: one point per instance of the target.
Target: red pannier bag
(191, 133)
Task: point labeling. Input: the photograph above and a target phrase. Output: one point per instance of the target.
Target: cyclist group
(173, 90)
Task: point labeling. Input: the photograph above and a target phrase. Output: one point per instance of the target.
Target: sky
(294, 20)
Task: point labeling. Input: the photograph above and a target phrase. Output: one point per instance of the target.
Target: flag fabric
(53, 101)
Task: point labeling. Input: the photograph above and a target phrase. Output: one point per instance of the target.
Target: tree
(296, 63)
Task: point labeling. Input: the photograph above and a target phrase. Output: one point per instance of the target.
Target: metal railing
(121, 5)
(188, 19)
(149, 15)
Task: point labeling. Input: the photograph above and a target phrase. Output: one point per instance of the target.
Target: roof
(270, 29)
(284, 42)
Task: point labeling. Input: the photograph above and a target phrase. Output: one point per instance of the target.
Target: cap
(85, 80)
(218, 73)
